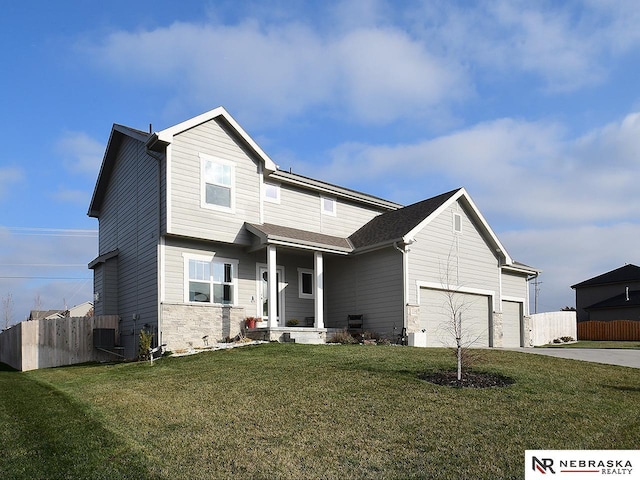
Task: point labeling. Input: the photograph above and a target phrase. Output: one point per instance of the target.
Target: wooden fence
(612, 330)
(44, 343)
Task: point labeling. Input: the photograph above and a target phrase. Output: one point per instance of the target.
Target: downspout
(405, 282)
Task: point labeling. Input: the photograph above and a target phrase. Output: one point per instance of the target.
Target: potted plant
(292, 322)
(250, 322)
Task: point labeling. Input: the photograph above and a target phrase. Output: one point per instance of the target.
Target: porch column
(272, 285)
(319, 293)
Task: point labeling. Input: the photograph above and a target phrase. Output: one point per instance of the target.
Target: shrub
(557, 340)
(144, 345)
(342, 336)
(567, 339)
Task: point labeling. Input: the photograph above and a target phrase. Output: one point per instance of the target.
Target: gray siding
(369, 284)
(129, 221)
(188, 217)
(468, 259)
(299, 208)
(587, 296)
(514, 285)
(294, 307)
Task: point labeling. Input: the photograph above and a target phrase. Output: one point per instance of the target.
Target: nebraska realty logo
(582, 464)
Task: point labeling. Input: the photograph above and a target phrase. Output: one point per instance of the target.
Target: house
(614, 295)
(199, 229)
(82, 310)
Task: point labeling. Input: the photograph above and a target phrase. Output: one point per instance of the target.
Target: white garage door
(436, 318)
(511, 324)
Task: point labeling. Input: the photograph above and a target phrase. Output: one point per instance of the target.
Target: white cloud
(527, 173)
(570, 255)
(277, 71)
(66, 195)
(9, 176)
(24, 256)
(80, 152)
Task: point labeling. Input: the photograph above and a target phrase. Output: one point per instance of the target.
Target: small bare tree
(37, 306)
(456, 324)
(7, 310)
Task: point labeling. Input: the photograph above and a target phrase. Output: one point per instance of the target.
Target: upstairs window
(328, 206)
(217, 183)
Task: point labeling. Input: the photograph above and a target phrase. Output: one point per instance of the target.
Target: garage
(511, 324)
(436, 318)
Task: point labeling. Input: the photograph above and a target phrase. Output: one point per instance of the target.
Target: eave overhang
(270, 234)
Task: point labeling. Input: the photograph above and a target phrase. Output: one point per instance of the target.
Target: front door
(263, 276)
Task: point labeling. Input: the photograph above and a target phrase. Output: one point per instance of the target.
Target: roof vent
(627, 292)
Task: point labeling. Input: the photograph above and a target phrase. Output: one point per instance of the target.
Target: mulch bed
(469, 379)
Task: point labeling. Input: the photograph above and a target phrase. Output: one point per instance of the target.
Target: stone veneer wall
(184, 326)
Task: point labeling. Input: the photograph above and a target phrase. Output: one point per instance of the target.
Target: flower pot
(250, 323)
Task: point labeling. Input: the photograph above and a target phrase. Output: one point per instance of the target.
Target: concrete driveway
(622, 357)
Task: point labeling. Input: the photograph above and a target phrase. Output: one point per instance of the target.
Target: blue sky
(533, 107)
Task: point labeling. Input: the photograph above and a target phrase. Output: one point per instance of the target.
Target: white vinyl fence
(545, 327)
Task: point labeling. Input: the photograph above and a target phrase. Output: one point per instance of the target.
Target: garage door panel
(511, 324)
(436, 318)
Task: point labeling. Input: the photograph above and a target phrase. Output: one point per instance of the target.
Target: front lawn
(596, 344)
(303, 411)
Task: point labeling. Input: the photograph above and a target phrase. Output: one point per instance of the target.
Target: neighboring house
(614, 295)
(41, 314)
(198, 229)
(82, 310)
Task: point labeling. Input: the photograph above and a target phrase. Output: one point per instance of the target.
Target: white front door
(263, 282)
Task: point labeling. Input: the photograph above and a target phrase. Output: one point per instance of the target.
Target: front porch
(304, 335)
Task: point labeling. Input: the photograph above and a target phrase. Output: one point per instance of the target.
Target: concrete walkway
(622, 357)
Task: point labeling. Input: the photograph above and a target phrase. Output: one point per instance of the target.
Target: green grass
(302, 411)
(595, 344)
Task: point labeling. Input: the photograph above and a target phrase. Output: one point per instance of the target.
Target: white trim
(462, 193)
(508, 298)
(301, 272)
(261, 187)
(318, 267)
(334, 203)
(204, 158)
(167, 134)
(457, 289)
(281, 286)
(457, 216)
(168, 190)
(211, 259)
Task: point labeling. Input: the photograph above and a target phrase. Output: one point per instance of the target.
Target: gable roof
(118, 133)
(158, 141)
(392, 226)
(403, 224)
(286, 236)
(165, 137)
(628, 273)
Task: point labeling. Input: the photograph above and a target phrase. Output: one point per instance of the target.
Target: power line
(53, 232)
(44, 278)
(52, 265)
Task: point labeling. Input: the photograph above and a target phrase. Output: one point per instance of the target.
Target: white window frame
(334, 207)
(204, 159)
(457, 218)
(306, 271)
(212, 260)
(276, 189)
